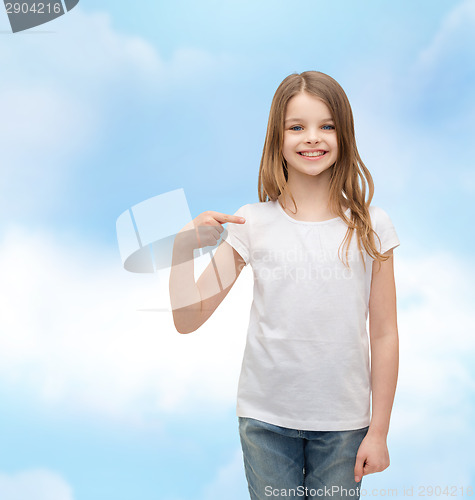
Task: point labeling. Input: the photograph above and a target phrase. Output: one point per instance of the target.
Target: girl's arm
(194, 302)
(185, 297)
(204, 296)
(384, 344)
(373, 454)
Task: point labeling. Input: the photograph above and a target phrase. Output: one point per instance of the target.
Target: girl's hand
(372, 456)
(205, 230)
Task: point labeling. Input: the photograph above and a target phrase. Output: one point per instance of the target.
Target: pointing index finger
(224, 218)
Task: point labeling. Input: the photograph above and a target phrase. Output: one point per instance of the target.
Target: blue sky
(108, 106)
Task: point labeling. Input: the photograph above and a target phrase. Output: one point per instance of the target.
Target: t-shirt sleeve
(384, 228)
(237, 235)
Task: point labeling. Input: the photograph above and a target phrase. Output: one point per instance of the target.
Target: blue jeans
(288, 463)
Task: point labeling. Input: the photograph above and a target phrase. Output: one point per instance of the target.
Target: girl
(304, 391)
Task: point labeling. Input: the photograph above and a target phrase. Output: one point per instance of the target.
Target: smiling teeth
(317, 153)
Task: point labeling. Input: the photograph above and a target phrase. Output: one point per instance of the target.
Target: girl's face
(309, 128)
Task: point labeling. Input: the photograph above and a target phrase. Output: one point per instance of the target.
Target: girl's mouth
(312, 156)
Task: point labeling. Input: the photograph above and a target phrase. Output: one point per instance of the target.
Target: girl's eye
(296, 126)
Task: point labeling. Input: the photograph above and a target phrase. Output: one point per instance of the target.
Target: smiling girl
(304, 394)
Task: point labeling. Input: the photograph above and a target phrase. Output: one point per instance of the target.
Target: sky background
(116, 102)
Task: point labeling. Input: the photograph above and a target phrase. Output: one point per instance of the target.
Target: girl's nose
(312, 136)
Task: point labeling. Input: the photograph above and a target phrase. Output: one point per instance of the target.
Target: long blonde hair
(345, 172)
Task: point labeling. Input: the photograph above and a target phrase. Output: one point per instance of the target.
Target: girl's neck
(312, 195)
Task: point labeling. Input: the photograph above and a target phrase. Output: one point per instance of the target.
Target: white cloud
(442, 75)
(456, 32)
(59, 93)
(230, 481)
(39, 484)
(432, 421)
(421, 104)
(84, 51)
(72, 335)
(41, 127)
(70, 327)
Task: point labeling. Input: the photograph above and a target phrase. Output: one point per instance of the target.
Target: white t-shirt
(306, 362)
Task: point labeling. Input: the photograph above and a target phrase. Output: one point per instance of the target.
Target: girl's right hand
(205, 230)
